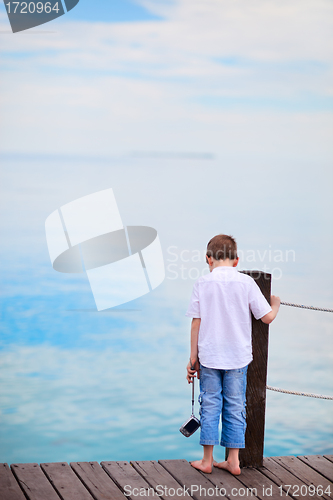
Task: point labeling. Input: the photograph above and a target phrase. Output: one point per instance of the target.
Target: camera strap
(192, 368)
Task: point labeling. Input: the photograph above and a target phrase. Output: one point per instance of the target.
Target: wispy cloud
(208, 66)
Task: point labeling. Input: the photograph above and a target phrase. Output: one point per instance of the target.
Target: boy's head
(221, 248)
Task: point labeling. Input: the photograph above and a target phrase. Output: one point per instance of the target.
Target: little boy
(221, 349)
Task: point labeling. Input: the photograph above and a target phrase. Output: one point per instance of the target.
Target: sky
(236, 79)
(203, 117)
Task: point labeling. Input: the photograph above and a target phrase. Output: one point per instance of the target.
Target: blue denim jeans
(223, 392)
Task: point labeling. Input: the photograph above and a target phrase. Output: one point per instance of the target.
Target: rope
(308, 394)
(307, 307)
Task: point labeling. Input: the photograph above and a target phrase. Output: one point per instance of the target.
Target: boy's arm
(275, 305)
(194, 360)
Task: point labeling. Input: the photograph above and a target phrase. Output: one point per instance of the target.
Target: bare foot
(232, 468)
(202, 465)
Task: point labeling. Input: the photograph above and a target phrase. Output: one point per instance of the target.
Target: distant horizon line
(169, 155)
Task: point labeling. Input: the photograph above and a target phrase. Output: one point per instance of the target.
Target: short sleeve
(258, 304)
(193, 310)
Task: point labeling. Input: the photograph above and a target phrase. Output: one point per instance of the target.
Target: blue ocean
(79, 384)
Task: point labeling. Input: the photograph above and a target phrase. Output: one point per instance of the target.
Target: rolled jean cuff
(206, 442)
(232, 445)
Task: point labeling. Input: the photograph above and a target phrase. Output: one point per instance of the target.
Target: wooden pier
(305, 477)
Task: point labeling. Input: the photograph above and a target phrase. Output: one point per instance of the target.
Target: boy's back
(223, 300)
(221, 349)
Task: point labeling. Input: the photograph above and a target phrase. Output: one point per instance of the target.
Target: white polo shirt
(224, 299)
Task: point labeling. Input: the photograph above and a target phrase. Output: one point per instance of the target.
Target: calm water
(78, 385)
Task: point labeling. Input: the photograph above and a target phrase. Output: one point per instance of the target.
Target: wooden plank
(129, 480)
(305, 473)
(258, 484)
(33, 482)
(160, 479)
(97, 481)
(65, 481)
(9, 488)
(282, 477)
(252, 454)
(196, 483)
(320, 464)
(228, 484)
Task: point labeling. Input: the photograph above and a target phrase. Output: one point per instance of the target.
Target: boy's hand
(275, 301)
(191, 372)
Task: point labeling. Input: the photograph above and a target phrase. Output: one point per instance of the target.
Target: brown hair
(222, 247)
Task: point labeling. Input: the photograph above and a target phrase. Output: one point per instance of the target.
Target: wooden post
(252, 455)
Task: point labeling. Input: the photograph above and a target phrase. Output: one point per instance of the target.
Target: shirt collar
(224, 267)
